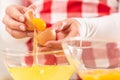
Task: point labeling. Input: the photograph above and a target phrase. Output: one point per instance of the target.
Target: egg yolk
(39, 24)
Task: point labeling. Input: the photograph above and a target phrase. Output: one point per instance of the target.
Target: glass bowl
(25, 65)
(93, 59)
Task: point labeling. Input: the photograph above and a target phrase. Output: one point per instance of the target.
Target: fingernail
(22, 27)
(21, 18)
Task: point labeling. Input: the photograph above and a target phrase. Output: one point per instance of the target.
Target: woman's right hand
(67, 28)
(14, 21)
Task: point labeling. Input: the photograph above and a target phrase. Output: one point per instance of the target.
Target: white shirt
(105, 28)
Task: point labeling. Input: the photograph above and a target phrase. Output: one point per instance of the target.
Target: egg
(28, 20)
(46, 35)
(43, 34)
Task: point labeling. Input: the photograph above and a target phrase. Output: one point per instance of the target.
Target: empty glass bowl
(93, 59)
(25, 65)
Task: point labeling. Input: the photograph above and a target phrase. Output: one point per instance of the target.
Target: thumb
(58, 26)
(62, 25)
(33, 7)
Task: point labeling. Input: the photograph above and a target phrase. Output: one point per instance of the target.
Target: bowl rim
(91, 40)
(13, 52)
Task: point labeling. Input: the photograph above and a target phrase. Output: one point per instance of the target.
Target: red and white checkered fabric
(101, 54)
(55, 10)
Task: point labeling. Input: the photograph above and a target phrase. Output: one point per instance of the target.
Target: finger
(33, 7)
(54, 44)
(60, 36)
(57, 26)
(12, 24)
(74, 31)
(72, 34)
(73, 28)
(62, 25)
(42, 49)
(16, 12)
(47, 49)
(16, 34)
(66, 25)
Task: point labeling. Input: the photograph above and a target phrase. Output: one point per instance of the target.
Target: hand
(67, 28)
(14, 21)
(64, 29)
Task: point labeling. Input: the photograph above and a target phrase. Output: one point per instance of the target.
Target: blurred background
(4, 75)
(6, 40)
